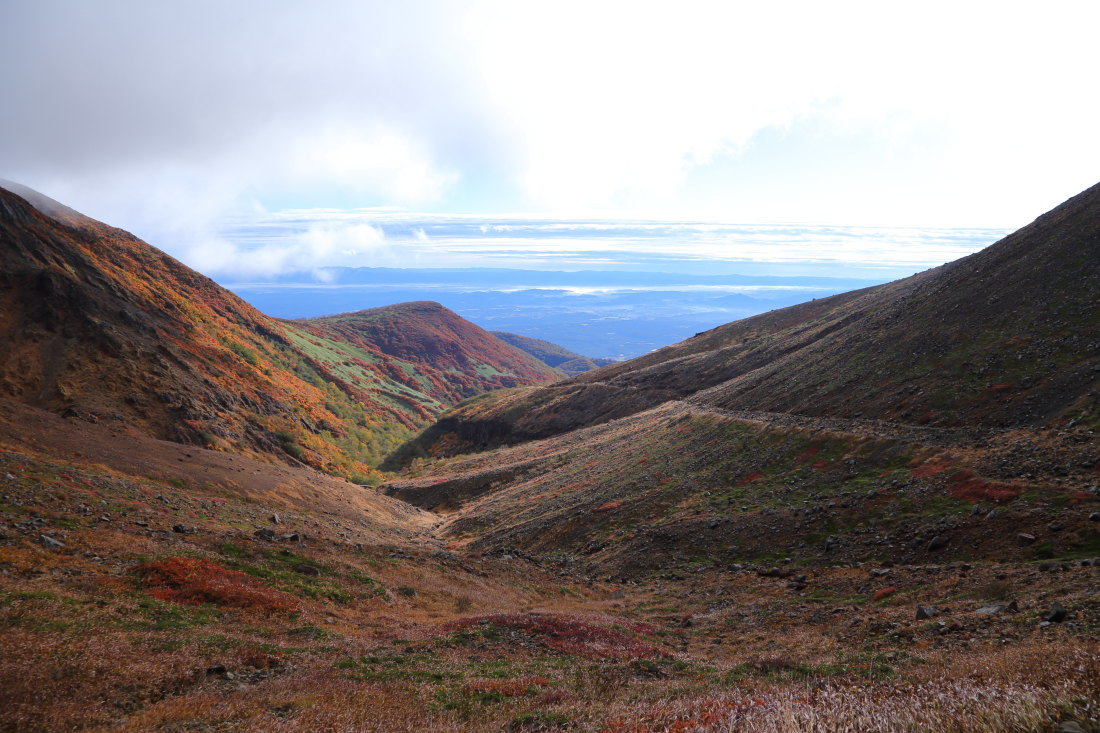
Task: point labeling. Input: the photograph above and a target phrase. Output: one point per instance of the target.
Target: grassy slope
(368, 626)
(682, 485)
(101, 325)
(1003, 337)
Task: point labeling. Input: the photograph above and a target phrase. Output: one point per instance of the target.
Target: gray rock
(995, 608)
(293, 537)
(50, 543)
(1025, 539)
(1056, 526)
(307, 569)
(1057, 614)
(275, 519)
(265, 534)
(1094, 517)
(181, 529)
(926, 612)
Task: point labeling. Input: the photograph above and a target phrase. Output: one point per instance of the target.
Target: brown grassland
(346, 625)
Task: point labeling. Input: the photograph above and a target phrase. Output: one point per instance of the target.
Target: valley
(874, 511)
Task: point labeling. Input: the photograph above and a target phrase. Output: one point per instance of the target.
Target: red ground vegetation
(195, 581)
(929, 468)
(967, 486)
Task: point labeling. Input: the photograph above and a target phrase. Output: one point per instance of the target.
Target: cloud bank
(172, 118)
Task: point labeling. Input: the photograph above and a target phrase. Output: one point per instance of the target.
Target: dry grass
(482, 643)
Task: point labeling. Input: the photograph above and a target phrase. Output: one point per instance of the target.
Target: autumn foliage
(967, 486)
(195, 581)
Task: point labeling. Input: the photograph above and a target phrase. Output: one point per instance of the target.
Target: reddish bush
(194, 581)
(1004, 387)
(969, 487)
(929, 468)
(750, 478)
(884, 593)
(608, 507)
(809, 453)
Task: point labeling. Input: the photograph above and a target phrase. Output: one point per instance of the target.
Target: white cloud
(165, 118)
(314, 250)
(950, 111)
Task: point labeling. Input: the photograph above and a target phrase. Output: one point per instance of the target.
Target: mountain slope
(98, 324)
(1007, 336)
(450, 358)
(568, 361)
(949, 415)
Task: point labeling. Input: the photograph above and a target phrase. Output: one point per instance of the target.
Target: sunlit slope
(101, 326)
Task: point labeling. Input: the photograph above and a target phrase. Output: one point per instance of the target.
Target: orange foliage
(884, 593)
(969, 487)
(929, 468)
(194, 581)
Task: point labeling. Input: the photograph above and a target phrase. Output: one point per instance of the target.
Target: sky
(191, 122)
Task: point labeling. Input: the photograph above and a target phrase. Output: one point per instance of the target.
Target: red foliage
(810, 452)
(1003, 387)
(819, 464)
(750, 478)
(608, 507)
(969, 487)
(929, 468)
(194, 581)
(572, 636)
(884, 593)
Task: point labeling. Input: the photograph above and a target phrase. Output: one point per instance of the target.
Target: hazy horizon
(179, 121)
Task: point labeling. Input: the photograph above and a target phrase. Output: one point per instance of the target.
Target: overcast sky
(168, 117)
